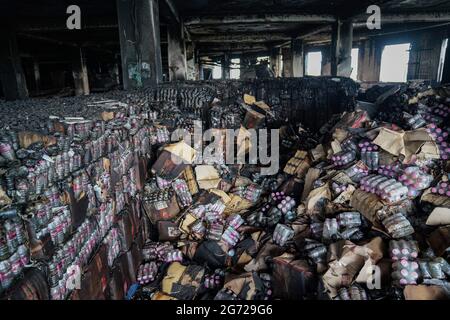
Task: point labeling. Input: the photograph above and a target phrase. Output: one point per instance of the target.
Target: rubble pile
(70, 180)
(364, 214)
(101, 186)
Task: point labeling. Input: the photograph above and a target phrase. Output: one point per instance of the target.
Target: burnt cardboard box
(127, 281)
(293, 279)
(253, 119)
(299, 164)
(146, 228)
(115, 284)
(139, 240)
(95, 278)
(91, 286)
(168, 231)
(135, 216)
(141, 172)
(134, 258)
(167, 212)
(78, 208)
(439, 240)
(42, 248)
(166, 168)
(125, 226)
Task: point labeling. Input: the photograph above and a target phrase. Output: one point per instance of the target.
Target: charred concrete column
(191, 62)
(275, 61)
(80, 74)
(326, 61)
(226, 62)
(37, 75)
(176, 51)
(12, 76)
(140, 46)
(369, 61)
(287, 62)
(298, 58)
(341, 48)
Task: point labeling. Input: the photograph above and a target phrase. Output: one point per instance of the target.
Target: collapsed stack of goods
(71, 176)
(361, 211)
(365, 214)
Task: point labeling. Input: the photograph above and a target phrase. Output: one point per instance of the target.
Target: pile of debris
(364, 214)
(120, 186)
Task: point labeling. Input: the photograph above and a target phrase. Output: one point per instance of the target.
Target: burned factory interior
(225, 150)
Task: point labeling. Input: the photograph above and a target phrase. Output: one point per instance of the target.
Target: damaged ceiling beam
(313, 18)
(259, 18)
(408, 17)
(241, 37)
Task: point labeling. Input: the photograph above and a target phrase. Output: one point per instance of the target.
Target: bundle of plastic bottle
(235, 221)
(441, 137)
(390, 170)
(215, 280)
(349, 219)
(355, 292)
(416, 121)
(369, 154)
(338, 188)
(316, 251)
(444, 150)
(397, 225)
(147, 272)
(156, 251)
(282, 234)
(162, 183)
(251, 192)
(316, 229)
(276, 197)
(349, 145)
(344, 226)
(441, 110)
(343, 158)
(387, 189)
(214, 211)
(174, 255)
(286, 206)
(182, 192)
(442, 189)
(403, 249)
(415, 179)
(438, 268)
(357, 171)
(405, 272)
(214, 231)
(405, 267)
(279, 206)
(231, 236)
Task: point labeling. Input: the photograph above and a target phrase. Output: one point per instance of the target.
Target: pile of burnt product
(70, 193)
(363, 215)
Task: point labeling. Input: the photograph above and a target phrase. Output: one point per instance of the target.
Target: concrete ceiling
(221, 25)
(240, 23)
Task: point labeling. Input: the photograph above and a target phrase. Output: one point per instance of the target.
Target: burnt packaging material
(293, 279)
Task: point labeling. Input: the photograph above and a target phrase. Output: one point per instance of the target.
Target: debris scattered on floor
(359, 209)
